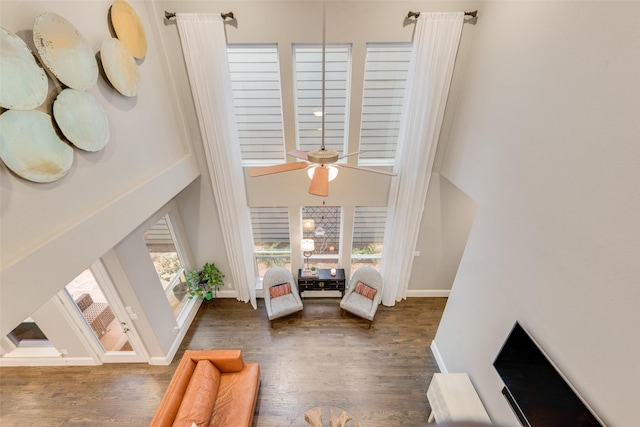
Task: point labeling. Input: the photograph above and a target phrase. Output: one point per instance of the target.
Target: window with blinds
(368, 236)
(386, 69)
(272, 245)
(257, 102)
(308, 90)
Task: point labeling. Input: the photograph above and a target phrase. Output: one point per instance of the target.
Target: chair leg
(370, 323)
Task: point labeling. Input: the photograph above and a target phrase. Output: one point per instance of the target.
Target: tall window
(325, 232)
(386, 69)
(257, 102)
(308, 88)
(271, 238)
(368, 235)
(161, 244)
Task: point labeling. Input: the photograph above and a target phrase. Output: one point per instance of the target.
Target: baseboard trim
(438, 357)
(48, 361)
(416, 293)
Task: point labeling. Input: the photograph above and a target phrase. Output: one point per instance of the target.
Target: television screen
(535, 389)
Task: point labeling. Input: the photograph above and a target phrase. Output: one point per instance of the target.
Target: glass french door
(106, 321)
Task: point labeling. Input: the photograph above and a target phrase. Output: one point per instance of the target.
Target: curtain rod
(172, 15)
(472, 14)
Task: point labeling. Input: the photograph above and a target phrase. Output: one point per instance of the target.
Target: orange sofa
(210, 388)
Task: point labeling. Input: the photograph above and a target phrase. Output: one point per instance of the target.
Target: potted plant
(204, 283)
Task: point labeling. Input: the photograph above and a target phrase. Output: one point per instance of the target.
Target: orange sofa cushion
(200, 396)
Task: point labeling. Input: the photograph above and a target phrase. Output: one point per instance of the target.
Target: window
(386, 69)
(308, 89)
(161, 244)
(272, 244)
(255, 81)
(28, 334)
(368, 236)
(325, 233)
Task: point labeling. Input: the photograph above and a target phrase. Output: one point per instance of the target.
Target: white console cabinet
(453, 398)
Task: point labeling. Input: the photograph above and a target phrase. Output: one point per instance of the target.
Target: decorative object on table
(307, 246)
(129, 28)
(285, 298)
(31, 148)
(65, 51)
(24, 83)
(204, 283)
(333, 272)
(120, 67)
(81, 119)
(363, 294)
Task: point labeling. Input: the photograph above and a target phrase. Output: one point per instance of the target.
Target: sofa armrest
(224, 360)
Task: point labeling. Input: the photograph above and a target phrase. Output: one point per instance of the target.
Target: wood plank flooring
(379, 375)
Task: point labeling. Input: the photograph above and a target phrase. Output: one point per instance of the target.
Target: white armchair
(285, 304)
(361, 300)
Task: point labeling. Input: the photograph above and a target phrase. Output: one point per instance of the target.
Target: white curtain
(435, 45)
(204, 46)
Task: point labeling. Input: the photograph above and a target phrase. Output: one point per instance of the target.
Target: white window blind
(271, 237)
(368, 236)
(308, 89)
(257, 101)
(385, 79)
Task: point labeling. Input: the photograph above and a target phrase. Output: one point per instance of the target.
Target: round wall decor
(120, 67)
(65, 51)
(128, 28)
(81, 119)
(24, 83)
(31, 148)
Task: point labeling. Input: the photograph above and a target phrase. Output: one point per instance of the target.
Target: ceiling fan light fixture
(323, 156)
(333, 171)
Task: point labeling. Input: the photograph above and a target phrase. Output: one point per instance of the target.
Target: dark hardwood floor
(379, 375)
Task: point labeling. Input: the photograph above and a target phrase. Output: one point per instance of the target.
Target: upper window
(368, 236)
(272, 245)
(308, 88)
(257, 102)
(386, 69)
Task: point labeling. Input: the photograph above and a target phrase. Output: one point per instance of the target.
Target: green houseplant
(205, 282)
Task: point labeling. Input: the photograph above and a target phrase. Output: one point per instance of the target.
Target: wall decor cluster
(34, 145)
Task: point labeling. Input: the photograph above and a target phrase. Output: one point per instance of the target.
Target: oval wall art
(81, 119)
(128, 28)
(24, 83)
(65, 51)
(120, 67)
(31, 148)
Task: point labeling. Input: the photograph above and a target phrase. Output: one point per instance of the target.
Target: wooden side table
(453, 398)
(324, 281)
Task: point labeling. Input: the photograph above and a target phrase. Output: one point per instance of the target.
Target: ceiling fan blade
(268, 170)
(350, 154)
(320, 182)
(299, 154)
(383, 172)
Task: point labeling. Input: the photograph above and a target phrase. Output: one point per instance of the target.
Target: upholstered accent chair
(363, 294)
(281, 296)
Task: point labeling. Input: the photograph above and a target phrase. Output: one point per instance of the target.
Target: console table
(453, 398)
(323, 281)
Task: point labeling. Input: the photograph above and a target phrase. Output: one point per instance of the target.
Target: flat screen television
(535, 390)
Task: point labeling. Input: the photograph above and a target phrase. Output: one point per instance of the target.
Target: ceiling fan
(321, 163)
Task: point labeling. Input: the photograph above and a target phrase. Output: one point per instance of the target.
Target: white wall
(545, 141)
(52, 232)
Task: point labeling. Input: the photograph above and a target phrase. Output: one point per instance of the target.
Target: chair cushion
(365, 290)
(280, 290)
(358, 305)
(200, 396)
(284, 305)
